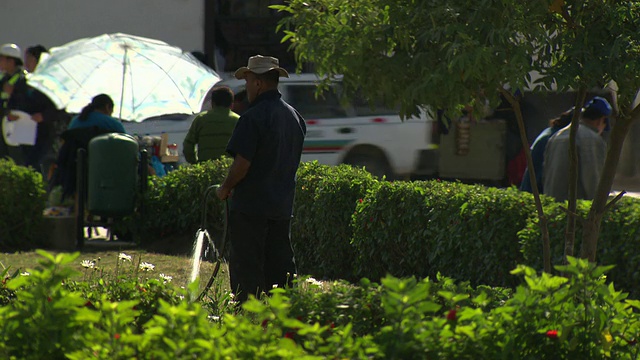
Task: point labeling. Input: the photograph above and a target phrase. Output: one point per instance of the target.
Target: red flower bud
(116, 336)
(289, 335)
(452, 315)
(49, 298)
(552, 334)
(360, 201)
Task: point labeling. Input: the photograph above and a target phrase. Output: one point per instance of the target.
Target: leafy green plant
(44, 320)
(547, 317)
(133, 280)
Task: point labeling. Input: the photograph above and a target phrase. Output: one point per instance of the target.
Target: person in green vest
(211, 130)
(13, 94)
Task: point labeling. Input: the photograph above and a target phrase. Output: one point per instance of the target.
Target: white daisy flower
(313, 281)
(166, 278)
(124, 257)
(26, 273)
(146, 266)
(87, 264)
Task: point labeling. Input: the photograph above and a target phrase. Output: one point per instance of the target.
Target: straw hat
(259, 65)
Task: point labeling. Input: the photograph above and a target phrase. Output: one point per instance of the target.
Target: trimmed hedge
(349, 225)
(172, 206)
(326, 197)
(466, 232)
(22, 201)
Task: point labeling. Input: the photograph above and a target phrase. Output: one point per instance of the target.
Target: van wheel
(374, 163)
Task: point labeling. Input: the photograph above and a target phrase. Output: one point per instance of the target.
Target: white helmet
(11, 50)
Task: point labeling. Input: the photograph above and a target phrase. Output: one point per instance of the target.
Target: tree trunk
(599, 205)
(570, 230)
(546, 247)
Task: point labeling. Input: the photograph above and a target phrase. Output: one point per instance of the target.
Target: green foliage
(442, 55)
(22, 201)
(422, 228)
(326, 197)
(446, 54)
(45, 319)
(547, 317)
(173, 203)
(595, 42)
(618, 242)
(129, 283)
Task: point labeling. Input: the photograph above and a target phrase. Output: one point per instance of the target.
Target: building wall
(56, 22)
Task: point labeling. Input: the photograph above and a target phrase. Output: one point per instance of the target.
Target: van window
(303, 98)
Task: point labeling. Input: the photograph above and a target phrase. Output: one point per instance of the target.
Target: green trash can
(112, 175)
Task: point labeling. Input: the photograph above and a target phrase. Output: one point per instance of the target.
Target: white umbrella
(144, 77)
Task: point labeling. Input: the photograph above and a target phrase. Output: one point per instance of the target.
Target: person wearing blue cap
(592, 151)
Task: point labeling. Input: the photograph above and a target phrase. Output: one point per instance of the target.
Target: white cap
(11, 50)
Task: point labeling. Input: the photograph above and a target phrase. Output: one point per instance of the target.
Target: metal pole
(124, 72)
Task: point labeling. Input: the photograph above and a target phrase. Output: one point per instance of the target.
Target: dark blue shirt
(270, 135)
(537, 156)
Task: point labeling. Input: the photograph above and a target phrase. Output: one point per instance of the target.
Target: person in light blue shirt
(98, 113)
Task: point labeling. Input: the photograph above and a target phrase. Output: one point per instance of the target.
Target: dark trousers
(260, 254)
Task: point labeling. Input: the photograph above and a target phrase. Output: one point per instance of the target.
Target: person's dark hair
(36, 51)
(200, 56)
(99, 102)
(563, 120)
(221, 96)
(271, 77)
(591, 113)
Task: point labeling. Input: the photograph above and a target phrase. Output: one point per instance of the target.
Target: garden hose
(223, 242)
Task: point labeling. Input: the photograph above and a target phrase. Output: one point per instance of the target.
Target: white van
(354, 133)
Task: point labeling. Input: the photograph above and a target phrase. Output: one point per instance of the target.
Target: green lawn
(106, 257)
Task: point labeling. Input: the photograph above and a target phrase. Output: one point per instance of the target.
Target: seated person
(98, 113)
(94, 119)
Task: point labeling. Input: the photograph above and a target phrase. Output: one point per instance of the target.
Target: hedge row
(22, 201)
(173, 206)
(349, 225)
(464, 231)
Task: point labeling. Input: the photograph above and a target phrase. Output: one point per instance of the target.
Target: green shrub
(531, 237)
(422, 228)
(547, 317)
(22, 201)
(173, 204)
(617, 244)
(326, 197)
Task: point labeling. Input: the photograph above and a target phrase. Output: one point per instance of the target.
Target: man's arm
(237, 172)
(189, 143)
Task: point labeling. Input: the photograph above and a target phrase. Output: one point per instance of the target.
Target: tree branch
(614, 201)
(574, 214)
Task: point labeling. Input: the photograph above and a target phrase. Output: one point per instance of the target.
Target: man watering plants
(266, 146)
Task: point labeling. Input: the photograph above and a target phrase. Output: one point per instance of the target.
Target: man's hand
(37, 117)
(8, 88)
(223, 193)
